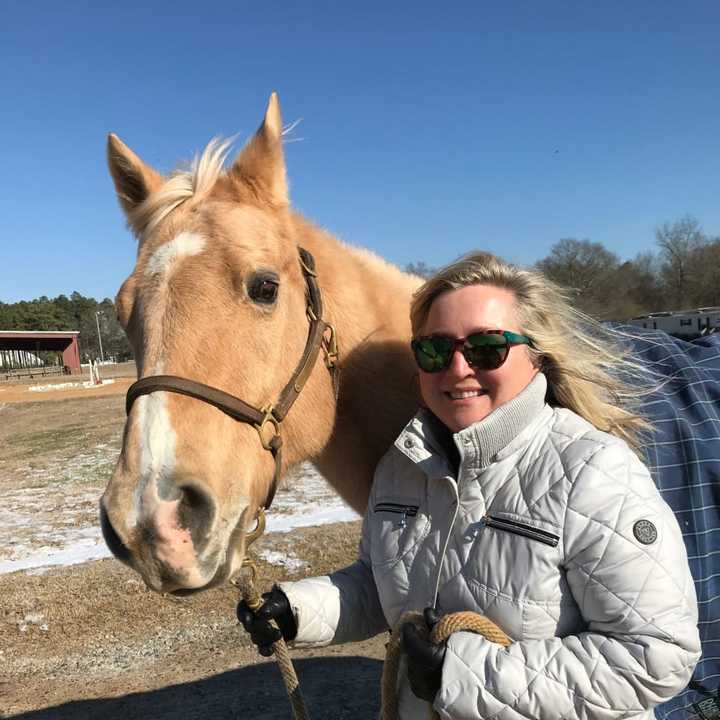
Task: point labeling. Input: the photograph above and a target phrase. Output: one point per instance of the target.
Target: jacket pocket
(404, 511)
(518, 528)
(397, 526)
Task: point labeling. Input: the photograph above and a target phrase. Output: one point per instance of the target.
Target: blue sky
(428, 128)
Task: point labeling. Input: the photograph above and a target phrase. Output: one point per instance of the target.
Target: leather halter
(266, 420)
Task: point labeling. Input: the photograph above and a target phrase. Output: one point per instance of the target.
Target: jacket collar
(428, 443)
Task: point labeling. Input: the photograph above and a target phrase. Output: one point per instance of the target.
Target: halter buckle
(268, 419)
(330, 346)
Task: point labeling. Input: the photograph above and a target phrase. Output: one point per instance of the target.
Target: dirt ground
(90, 641)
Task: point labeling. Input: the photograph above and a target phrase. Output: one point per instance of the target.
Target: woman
(514, 492)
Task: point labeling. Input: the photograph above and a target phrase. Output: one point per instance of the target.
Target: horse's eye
(263, 289)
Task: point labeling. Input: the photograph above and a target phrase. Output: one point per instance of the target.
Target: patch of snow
(67, 386)
(74, 553)
(57, 524)
(285, 523)
(277, 558)
(33, 619)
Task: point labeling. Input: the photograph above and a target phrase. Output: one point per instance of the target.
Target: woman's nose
(459, 365)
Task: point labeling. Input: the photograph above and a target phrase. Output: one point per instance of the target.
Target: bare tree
(420, 269)
(586, 270)
(640, 287)
(704, 284)
(679, 242)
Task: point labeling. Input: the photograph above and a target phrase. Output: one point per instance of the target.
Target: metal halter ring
(259, 529)
(268, 418)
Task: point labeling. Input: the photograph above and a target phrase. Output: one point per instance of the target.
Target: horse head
(217, 296)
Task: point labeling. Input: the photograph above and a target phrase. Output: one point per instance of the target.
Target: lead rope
(447, 625)
(246, 584)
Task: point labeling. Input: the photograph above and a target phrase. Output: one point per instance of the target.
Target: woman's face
(461, 395)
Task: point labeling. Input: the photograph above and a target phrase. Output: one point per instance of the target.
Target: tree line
(681, 273)
(71, 313)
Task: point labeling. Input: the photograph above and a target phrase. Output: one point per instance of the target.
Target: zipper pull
(403, 519)
(475, 528)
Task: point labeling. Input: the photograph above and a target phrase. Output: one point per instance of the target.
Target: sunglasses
(482, 350)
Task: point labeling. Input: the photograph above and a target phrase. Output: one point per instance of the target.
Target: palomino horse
(218, 296)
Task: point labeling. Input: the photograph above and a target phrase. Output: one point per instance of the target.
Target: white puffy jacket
(549, 527)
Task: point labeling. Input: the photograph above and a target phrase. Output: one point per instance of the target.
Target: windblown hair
(587, 369)
(195, 181)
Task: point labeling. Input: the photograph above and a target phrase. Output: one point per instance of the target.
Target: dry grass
(40, 440)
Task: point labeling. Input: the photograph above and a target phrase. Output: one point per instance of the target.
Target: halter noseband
(265, 420)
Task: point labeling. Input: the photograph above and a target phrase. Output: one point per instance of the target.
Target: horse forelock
(194, 182)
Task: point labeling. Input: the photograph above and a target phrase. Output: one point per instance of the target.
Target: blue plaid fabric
(684, 459)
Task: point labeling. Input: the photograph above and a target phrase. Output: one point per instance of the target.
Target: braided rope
(280, 650)
(448, 624)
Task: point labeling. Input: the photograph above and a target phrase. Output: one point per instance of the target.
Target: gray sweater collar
(486, 438)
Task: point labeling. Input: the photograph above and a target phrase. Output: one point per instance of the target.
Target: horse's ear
(134, 180)
(261, 163)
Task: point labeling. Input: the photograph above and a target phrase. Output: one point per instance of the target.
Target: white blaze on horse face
(165, 257)
(157, 436)
(157, 450)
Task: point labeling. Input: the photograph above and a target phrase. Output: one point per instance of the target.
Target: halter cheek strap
(267, 419)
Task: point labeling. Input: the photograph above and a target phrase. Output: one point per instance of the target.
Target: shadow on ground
(339, 687)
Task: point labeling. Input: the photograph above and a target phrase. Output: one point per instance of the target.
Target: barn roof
(28, 334)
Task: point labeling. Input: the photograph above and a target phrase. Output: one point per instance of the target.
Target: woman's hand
(276, 606)
(424, 660)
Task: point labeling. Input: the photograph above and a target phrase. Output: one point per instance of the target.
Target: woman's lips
(465, 394)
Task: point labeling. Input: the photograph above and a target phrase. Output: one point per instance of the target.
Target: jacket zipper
(521, 529)
(410, 510)
(403, 510)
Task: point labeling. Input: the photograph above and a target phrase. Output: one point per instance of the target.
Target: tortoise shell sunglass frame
(484, 350)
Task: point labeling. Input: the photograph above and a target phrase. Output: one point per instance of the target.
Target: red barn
(16, 345)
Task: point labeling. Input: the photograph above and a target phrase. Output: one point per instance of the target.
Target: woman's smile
(459, 395)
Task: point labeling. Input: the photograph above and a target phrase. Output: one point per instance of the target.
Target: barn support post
(71, 357)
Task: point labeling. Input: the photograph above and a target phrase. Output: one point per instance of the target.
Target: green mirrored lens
(486, 351)
(486, 357)
(433, 354)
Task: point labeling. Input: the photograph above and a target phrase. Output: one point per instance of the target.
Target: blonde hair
(587, 369)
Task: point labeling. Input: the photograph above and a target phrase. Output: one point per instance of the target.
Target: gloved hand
(424, 660)
(276, 606)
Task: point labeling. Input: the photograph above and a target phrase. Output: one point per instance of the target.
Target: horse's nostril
(113, 541)
(196, 513)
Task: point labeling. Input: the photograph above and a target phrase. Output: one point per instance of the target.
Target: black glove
(276, 606)
(424, 660)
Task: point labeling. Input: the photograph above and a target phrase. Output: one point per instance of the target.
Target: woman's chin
(461, 414)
